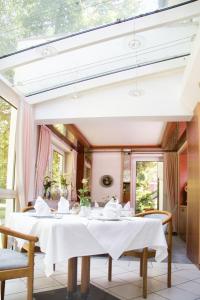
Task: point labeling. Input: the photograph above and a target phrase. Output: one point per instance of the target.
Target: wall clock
(106, 180)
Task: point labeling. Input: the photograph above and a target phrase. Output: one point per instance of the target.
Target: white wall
(106, 164)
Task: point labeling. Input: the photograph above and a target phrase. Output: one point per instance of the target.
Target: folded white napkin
(112, 209)
(127, 205)
(63, 205)
(41, 207)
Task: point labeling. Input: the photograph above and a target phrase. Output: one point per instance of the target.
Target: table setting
(66, 234)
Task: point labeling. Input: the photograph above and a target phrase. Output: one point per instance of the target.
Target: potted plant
(84, 196)
(65, 182)
(47, 184)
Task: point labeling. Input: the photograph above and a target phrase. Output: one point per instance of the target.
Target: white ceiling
(121, 131)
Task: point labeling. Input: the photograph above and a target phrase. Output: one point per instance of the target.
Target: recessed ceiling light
(136, 93)
(134, 44)
(48, 51)
(75, 96)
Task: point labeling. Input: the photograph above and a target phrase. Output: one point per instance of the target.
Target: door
(148, 183)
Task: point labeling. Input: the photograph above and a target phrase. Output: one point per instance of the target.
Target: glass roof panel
(101, 59)
(24, 24)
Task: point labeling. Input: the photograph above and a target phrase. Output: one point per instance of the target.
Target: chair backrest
(165, 216)
(28, 209)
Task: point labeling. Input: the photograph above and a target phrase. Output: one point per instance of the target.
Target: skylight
(24, 24)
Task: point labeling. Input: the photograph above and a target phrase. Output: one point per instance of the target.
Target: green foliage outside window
(38, 20)
(146, 198)
(5, 116)
(57, 168)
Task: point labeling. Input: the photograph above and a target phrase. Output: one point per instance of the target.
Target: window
(8, 116)
(147, 181)
(148, 185)
(57, 167)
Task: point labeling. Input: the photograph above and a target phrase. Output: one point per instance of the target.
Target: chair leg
(2, 289)
(144, 272)
(169, 272)
(141, 265)
(109, 268)
(30, 288)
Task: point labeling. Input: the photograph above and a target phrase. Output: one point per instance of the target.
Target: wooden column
(193, 203)
(85, 276)
(72, 276)
(80, 166)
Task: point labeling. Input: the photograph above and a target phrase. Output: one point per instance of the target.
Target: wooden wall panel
(80, 166)
(193, 222)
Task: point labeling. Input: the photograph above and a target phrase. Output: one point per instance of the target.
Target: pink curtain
(42, 158)
(25, 153)
(28, 144)
(171, 185)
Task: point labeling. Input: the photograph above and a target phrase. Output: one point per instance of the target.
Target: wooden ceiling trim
(170, 136)
(62, 137)
(131, 147)
(78, 134)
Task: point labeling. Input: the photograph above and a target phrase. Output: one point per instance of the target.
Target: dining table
(65, 237)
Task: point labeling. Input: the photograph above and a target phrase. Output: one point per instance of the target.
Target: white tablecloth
(73, 236)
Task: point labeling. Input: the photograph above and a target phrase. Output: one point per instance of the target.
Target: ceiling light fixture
(134, 44)
(136, 92)
(48, 51)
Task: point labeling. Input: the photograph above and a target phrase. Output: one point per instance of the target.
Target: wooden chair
(14, 264)
(28, 208)
(146, 253)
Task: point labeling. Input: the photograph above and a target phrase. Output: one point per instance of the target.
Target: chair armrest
(10, 232)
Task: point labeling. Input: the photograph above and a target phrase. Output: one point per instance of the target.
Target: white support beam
(190, 93)
(159, 98)
(104, 34)
(9, 93)
(75, 90)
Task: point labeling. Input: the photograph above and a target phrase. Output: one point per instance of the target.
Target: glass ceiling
(23, 26)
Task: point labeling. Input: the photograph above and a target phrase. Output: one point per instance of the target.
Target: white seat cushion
(10, 259)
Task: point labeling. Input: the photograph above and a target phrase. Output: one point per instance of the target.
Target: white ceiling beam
(9, 93)
(104, 34)
(76, 89)
(158, 99)
(190, 93)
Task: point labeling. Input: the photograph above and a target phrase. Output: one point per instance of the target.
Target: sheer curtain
(42, 158)
(171, 185)
(24, 153)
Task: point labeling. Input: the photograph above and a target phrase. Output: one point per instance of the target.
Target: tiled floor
(126, 282)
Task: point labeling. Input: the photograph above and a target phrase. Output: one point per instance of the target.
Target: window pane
(149, 188)
(6, 207)
(57, 167)
(8, 116)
